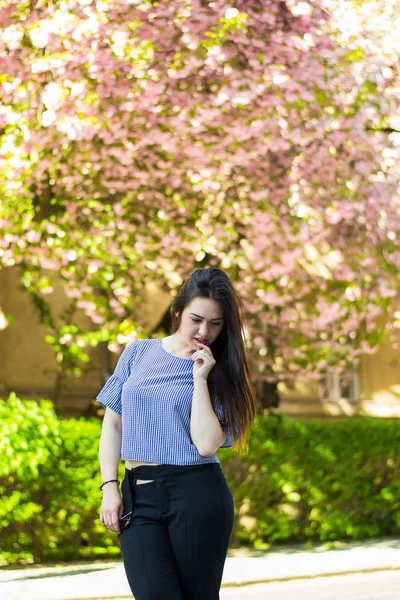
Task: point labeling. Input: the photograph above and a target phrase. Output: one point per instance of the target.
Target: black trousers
(176, 543)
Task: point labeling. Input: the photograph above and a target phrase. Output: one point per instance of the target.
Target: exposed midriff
(131, 464)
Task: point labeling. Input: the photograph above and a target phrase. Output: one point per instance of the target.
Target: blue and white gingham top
(153, 391)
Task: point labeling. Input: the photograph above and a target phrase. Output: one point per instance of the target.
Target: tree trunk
(267, 394)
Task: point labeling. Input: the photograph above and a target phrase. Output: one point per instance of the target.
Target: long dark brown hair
(229, 381)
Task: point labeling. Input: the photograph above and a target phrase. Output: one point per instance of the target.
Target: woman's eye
(198, 321)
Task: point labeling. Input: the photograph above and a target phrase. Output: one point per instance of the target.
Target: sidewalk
(100, 580)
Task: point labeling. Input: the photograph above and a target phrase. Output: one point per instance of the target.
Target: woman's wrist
(109, 483)
(200, 378)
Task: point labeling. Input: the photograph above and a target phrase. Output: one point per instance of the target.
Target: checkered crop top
(153, 391)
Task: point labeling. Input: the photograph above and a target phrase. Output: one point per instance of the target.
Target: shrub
(49, 477)
(300, 481)
(316, 481)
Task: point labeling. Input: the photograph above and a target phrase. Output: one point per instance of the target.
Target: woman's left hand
(204, 361)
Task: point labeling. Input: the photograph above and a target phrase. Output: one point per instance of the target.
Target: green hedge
(317, 481)
(300, 481)
(49, 477)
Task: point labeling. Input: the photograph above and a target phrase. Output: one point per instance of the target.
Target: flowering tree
(139, 139)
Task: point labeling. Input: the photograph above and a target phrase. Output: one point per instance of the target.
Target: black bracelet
(109, 481)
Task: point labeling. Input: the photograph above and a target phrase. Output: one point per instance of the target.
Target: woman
(170, 404)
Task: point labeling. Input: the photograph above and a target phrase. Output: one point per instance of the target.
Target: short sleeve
(220, 414)
(110, 393)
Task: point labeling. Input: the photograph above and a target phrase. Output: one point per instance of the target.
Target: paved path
(243, 567)
(384, 585)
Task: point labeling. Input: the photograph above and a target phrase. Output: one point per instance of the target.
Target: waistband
(159, 471)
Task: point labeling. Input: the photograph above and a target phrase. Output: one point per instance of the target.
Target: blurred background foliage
(141, 139)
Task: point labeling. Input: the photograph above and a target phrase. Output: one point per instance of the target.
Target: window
(340, 386)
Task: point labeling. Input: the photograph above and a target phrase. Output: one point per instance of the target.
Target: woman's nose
(203, 331)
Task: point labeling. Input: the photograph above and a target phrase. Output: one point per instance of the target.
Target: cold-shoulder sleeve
(220, 414)
(110, 393)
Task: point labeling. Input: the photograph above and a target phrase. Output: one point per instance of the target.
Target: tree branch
(384, 129)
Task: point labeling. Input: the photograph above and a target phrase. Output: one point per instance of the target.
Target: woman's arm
(205, 429)
(110, 453)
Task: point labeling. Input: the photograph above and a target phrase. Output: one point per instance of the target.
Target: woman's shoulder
(136, 347)
(146, 341)
(142, 342)
(140, 346)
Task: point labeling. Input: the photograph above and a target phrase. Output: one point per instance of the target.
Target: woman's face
(202, 320)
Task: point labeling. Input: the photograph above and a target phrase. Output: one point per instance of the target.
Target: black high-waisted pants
(176, 543)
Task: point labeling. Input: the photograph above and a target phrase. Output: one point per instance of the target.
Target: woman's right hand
(111, 508)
